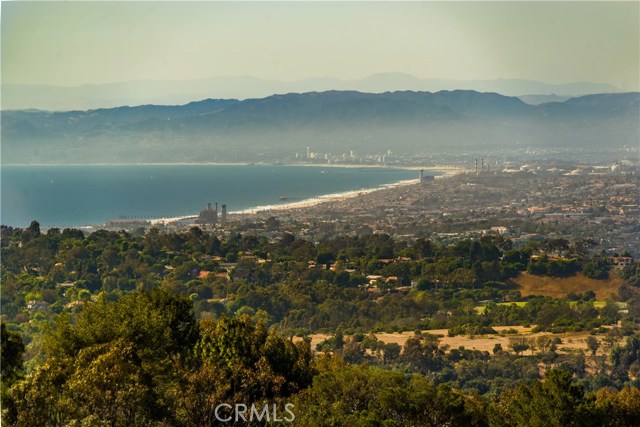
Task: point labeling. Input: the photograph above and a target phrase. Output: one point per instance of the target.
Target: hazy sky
(73, 43)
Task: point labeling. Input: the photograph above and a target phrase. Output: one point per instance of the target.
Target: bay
(66, 196)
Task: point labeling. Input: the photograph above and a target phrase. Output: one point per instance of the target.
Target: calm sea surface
(63, 196)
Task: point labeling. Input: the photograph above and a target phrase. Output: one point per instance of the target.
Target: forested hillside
(161, 329)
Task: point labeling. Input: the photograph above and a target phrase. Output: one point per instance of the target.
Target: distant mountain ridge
(332, 121)
(57, 98)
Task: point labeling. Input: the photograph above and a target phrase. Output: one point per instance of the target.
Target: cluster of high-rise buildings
(210, 215)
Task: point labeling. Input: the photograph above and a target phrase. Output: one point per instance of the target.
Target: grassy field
(529, 284)
(597, 304)
(480, 308)
(571, 341)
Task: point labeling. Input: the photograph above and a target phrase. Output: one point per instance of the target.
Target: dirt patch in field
(557, 287)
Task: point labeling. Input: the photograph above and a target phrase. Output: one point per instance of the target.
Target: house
(203, 274)
(37, 305)
(621, 261)
(67, 284)
(373, 278)
(207, 258)
(74, 304)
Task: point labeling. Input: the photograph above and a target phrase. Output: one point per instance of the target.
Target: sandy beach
(338, 197)
(313, 201)
(325, 198)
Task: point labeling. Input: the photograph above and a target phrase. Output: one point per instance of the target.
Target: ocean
(74, 196)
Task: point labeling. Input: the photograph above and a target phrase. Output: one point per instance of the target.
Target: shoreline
(314, 201)
(444, 171)
(442, 168)
(301, 204)
(447, 171)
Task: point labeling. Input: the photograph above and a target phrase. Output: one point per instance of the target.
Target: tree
(592, 344)
(113, 365)
(12, 350)
(618, 408)
(353, 352)
(422, 352)
(38, 400)
(237, 361)
(610, 312)
(363, 396)
(424, 248)
(34, 229)
(518, 345)
(391, 352)
(111, 383)
(555, 402)
(548, 343)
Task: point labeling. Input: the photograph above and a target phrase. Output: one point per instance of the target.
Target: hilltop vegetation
(361, 283)
(145, 360)
(186, 321)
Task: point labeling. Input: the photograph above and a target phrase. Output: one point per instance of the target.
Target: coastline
(301, 204)
(314, 201)
(442, 168)
(447, 171)
(443, 171)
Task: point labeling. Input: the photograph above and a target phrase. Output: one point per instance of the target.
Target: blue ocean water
(65, 196)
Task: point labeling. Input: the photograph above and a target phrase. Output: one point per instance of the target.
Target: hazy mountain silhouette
(333, 121)
(56, 98)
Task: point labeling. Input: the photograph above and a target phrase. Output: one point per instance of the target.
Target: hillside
(280, 125)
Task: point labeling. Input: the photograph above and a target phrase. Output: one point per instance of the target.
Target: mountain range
(92, 96)
(334, 121)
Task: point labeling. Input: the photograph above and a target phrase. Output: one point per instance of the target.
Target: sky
(76, 43)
